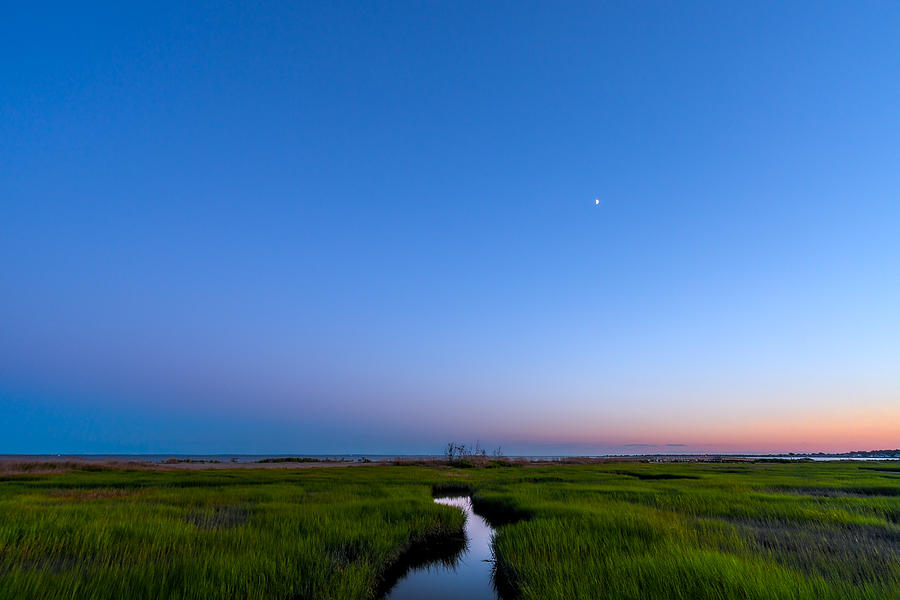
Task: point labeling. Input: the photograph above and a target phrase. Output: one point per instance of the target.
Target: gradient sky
(341, 227)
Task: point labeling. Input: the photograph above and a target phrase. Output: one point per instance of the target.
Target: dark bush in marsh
(498, 510)
(454, 488)
(497, 464)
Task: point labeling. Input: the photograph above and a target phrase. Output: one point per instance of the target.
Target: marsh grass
(612, 530)
(213, 534)
(815, 531)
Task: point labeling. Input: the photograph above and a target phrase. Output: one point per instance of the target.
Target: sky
(372, 227)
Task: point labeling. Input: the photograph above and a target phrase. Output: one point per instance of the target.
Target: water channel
(467, 574)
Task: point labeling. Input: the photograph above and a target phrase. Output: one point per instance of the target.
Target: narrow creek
(467, 574)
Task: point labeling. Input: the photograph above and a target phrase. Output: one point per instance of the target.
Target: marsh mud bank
(460, 568)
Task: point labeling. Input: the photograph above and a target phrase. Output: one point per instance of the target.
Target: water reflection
(465, 573)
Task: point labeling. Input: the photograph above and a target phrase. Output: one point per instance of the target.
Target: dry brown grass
(22, 466)
(19, 466)
(84, 495)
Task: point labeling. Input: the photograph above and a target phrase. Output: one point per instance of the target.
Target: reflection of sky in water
(470, 578)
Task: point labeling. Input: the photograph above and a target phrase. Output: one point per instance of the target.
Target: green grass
(617, 530)
(699, 531)
(212, 534)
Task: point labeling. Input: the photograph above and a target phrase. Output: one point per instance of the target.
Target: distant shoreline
(56, 462)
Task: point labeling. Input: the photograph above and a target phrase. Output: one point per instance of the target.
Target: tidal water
(467, 575)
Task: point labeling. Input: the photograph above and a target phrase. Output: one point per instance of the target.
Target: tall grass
(625, 530)
(240, 534)
(702, 532)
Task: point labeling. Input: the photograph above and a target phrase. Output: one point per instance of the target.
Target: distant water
(247, 458)
(222, 458)
(251, 458)
(468, 577)
(822, 458)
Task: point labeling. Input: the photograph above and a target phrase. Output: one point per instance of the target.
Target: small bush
(451, 489)
(462, 464)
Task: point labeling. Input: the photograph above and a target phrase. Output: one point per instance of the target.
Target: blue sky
(331, 227)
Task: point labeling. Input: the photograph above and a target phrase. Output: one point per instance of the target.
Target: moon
(596, 201)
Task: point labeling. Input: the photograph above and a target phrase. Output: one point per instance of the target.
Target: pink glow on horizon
(838, 430)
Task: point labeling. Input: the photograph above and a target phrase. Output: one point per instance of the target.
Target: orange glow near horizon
(836, 429)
